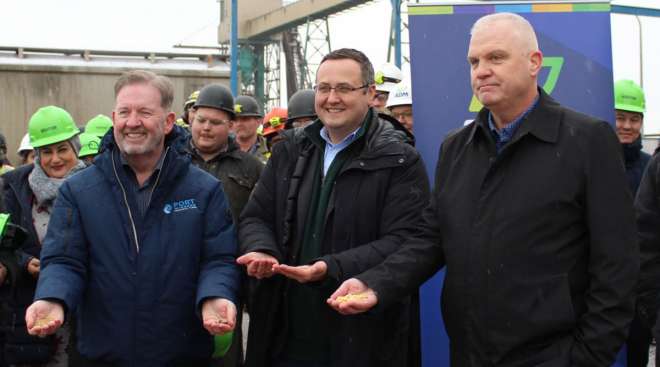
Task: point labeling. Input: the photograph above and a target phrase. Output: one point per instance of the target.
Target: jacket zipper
(128, 207)
(157, 178)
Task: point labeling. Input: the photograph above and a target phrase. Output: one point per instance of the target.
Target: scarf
(44, 187)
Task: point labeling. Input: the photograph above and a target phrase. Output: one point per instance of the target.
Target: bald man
(532, 218)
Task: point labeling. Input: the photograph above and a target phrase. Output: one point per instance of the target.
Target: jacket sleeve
(219, 275)
(407, 195)
(64, 253)
(613, 253)
(648, 230)
(10, 206)
(256, 232)
(415, 261)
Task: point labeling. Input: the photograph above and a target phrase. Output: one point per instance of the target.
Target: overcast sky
(157, 25)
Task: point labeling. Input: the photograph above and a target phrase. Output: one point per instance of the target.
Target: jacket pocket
(242, 181)
(526, 311)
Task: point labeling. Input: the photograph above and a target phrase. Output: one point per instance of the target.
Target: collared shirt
(331, 150)
(142, 193)
(505, 135)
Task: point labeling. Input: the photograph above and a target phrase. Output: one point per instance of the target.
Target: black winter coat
(238, 171)
(636, 161)
(377, 200)
(538, 242)
(647, 206)
(18, 199)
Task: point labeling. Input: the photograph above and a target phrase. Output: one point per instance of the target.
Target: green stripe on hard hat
(628, 96)
(4, 219)
(50, 125)
(221, 344)
(89, 144)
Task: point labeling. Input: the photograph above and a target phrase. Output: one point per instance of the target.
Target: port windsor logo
(179, 206)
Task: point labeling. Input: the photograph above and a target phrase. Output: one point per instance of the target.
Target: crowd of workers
(144, 239)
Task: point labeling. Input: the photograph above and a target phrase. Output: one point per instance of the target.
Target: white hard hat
(400, 95)
(387, 76)
(25, 144)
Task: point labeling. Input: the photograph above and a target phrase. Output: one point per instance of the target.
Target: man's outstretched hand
(258, 264)
(303, 273)
(44, 317)
(353, 297)
(218, 315)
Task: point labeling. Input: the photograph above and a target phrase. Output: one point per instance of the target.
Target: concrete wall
(84, 92)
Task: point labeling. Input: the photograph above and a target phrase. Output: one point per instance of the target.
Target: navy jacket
(140, 308)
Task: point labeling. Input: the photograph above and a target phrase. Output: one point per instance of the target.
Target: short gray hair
(521, 26)
(160, 82)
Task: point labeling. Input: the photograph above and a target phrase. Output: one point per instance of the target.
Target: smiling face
(57, 159)
(504, 65)
(342, 112)
(140, 122)
(628, 126)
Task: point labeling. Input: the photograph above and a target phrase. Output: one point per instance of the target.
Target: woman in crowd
(30, 192)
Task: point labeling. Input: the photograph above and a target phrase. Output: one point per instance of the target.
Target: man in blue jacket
(141, 244)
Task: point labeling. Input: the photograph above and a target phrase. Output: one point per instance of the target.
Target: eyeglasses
(341, 89)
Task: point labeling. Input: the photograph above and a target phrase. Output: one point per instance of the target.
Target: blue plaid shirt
(506, 134)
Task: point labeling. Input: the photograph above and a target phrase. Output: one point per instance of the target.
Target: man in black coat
(335, 199)
(532, 217)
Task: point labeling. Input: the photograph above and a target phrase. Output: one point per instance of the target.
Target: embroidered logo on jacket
(179, 206)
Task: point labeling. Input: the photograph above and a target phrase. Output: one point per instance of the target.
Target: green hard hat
(50, 125)
(98, 125)
(221, 344)
(89, 144)
(628, 96)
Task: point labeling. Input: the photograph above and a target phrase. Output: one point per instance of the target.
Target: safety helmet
(400, 96)
(628, 96)
(50, 125)
(89, 144)
(246, 106)
(192, 98)
(98, 125)
(216, 96)
(387, 76)
(301, 104)
(274, 121)
(25, 144)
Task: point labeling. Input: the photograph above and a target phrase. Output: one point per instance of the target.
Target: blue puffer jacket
(138, 282)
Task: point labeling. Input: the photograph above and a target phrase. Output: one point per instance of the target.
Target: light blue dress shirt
(331, 150)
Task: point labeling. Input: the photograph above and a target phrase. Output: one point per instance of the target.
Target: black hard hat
(246, 106)
(301, 104)
(216, 96)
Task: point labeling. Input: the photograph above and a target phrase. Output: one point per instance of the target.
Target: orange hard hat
(274, 121)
